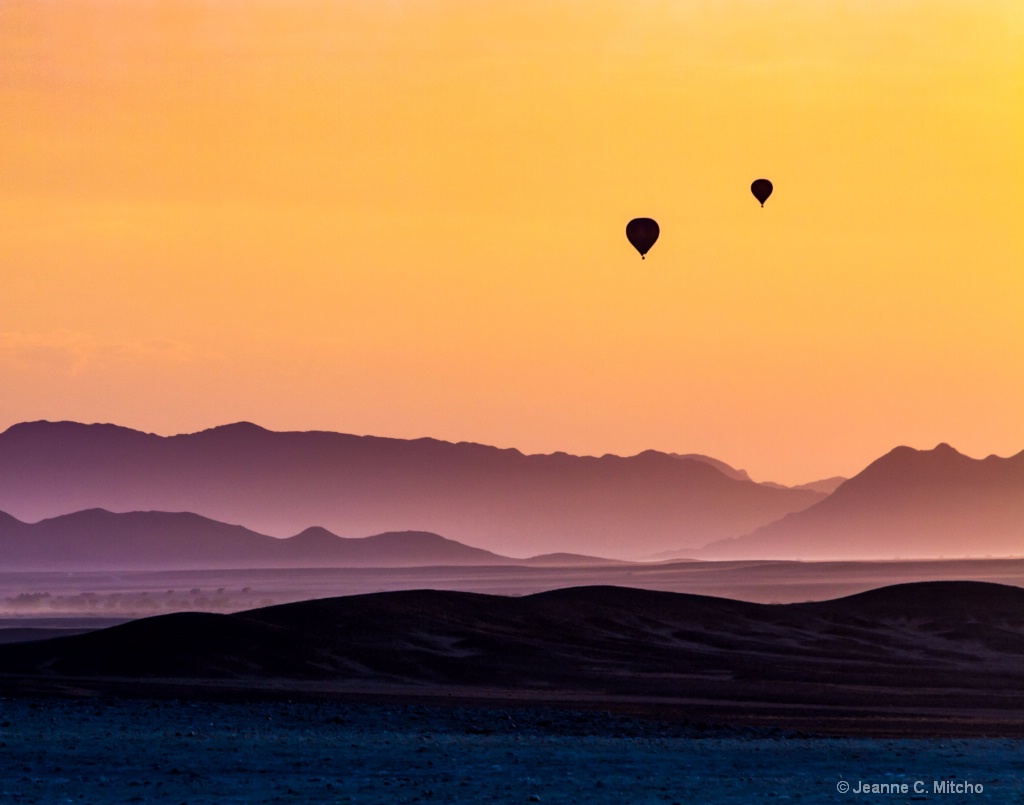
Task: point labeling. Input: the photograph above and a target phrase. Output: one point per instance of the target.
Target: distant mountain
(826, 486)
(726, 469)
(575, 560)
(909, 503)
(281, 483)
(96, 539)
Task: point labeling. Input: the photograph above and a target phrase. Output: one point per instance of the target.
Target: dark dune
(959, 601)
(954, 647)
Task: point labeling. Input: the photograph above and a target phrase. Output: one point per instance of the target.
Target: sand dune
(946, 645)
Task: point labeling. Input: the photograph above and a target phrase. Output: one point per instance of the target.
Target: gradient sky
(406, 218)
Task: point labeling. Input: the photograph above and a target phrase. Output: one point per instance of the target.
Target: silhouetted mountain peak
(94, 514)
(903, 452)
(314, 535)
(909, 503)
(237, 428)
(726, 469)
(908, 466)
(62, 425)
(411, 538)
(45, 432)
(696, 466)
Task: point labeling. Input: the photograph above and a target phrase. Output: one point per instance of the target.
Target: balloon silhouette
(642, 232)
(761, 188)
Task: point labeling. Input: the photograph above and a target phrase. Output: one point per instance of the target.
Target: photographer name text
(916, 787)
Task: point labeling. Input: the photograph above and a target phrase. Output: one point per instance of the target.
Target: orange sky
(407, 218)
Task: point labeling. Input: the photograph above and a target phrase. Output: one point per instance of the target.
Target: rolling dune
(951, 647)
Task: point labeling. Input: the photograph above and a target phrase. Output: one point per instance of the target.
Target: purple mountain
(280, 483)
(909, 503)
(96, 539)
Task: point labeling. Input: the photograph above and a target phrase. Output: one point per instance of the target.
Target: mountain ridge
(908, 503)
(97, 539)
(278, 483)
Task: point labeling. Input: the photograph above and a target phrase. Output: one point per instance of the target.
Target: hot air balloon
(761, 188)
(642, 232)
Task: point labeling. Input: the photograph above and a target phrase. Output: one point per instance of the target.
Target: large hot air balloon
(642, 232)
(761, 188)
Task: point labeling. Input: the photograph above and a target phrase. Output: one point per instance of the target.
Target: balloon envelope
(761, 188)
(642, 232)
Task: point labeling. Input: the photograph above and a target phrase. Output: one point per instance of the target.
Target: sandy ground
(98, 750)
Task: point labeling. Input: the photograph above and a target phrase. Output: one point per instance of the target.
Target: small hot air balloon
(761, 188)
(642, 232)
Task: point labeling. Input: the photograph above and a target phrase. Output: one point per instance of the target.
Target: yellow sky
(407, 219)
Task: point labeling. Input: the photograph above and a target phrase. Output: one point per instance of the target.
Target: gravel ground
(55, 750)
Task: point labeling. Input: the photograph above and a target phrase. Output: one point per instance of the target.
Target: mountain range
(282, 483)
(313, 486)
(96, 539)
